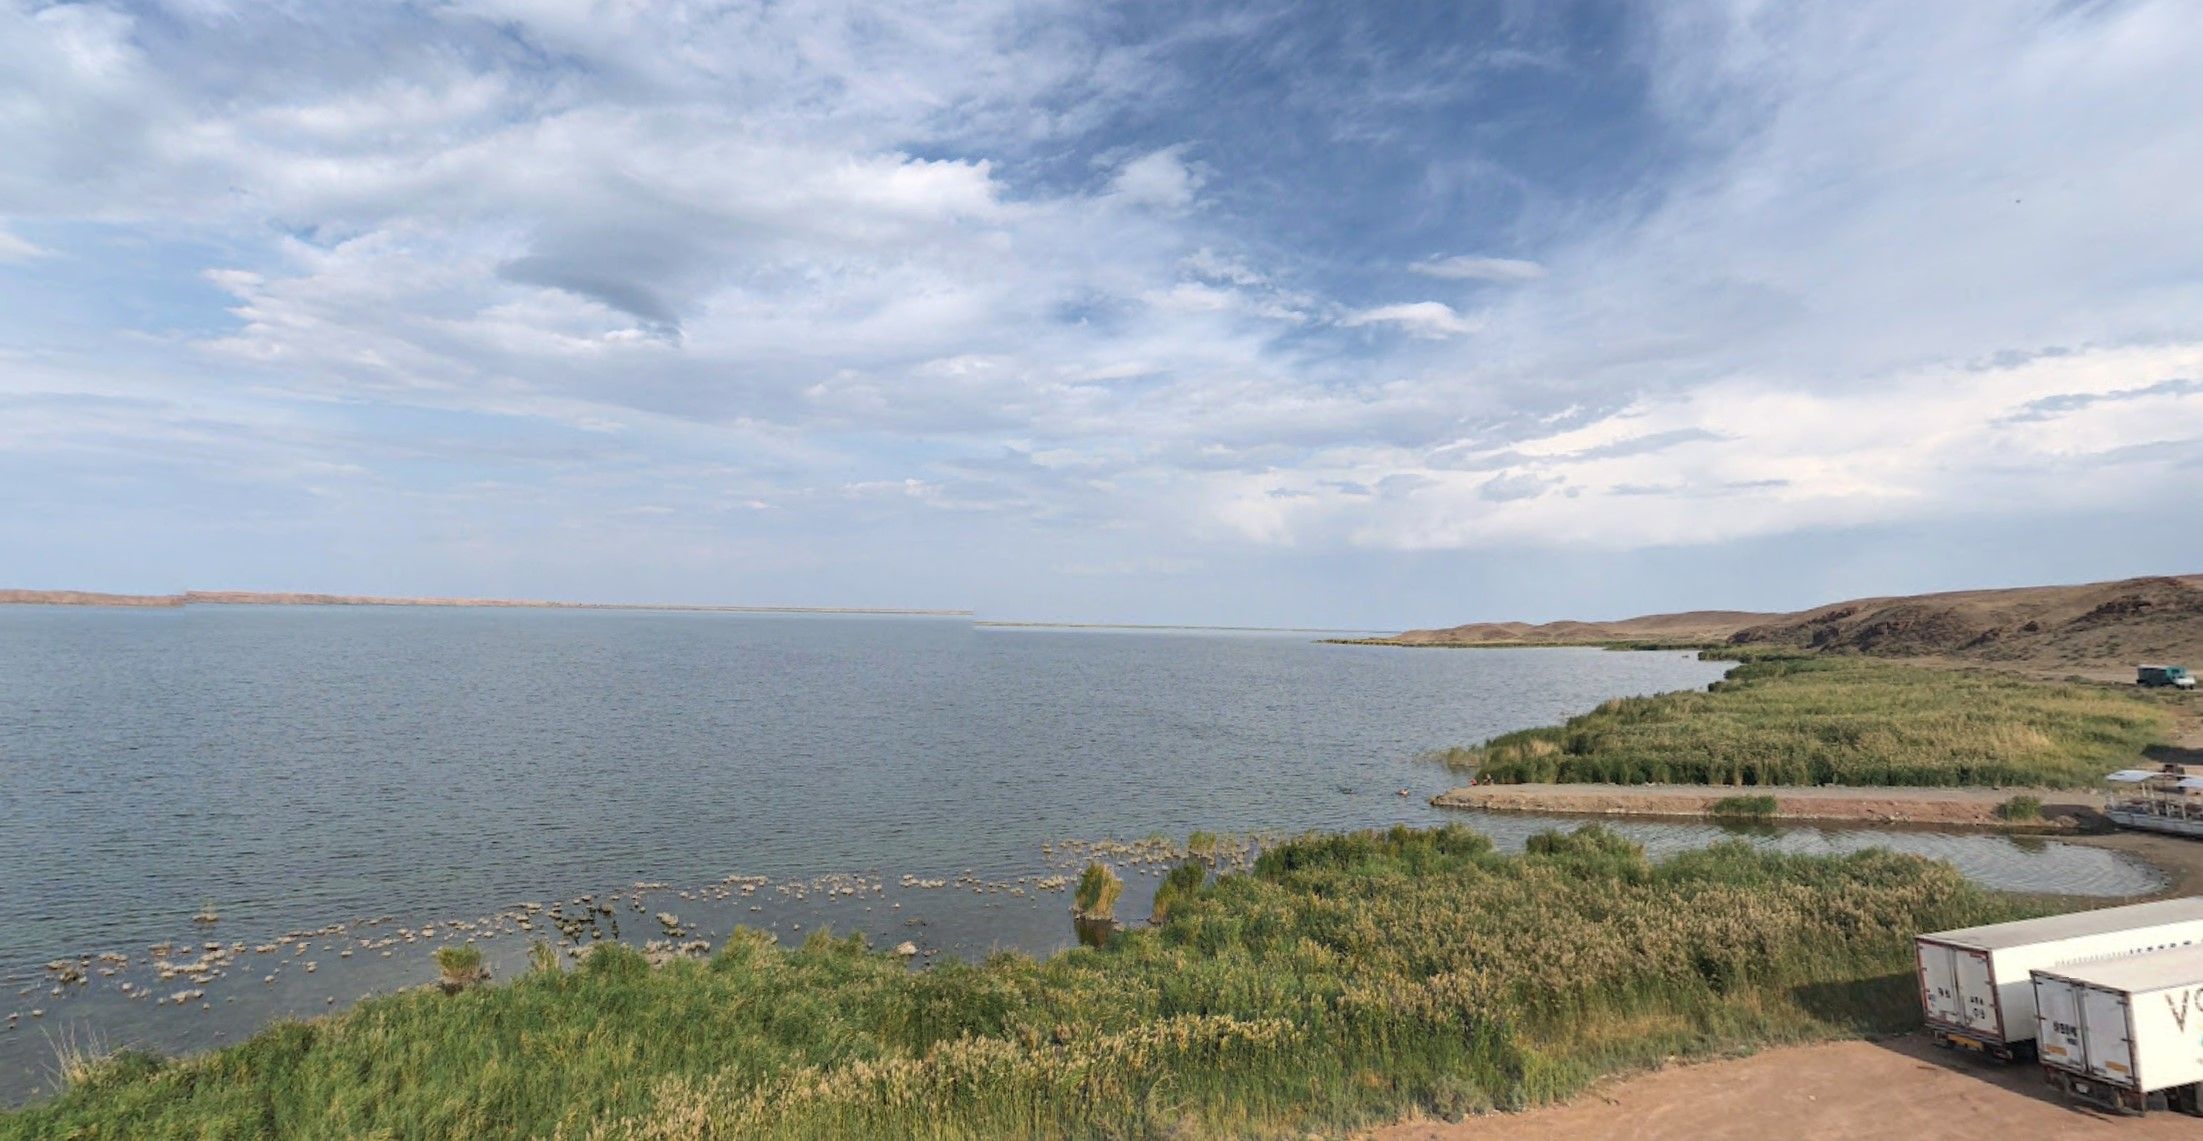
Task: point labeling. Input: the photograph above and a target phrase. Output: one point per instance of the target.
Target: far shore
(280, 598)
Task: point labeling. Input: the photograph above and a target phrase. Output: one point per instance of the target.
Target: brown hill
(2132, 620)
(1694, 626)
(2098, 625)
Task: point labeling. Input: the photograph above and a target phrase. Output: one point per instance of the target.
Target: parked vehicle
(2155, 676)
(2116, 1031)
(1975, 986)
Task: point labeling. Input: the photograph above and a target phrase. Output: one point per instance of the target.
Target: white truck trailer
(2116, 1031)
(1974, 983)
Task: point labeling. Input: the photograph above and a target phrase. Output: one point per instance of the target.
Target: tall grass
(1178, 887)
(1096, 895)
(461, 963)
(1345, 980)
(1744, 807)
(1840, 720)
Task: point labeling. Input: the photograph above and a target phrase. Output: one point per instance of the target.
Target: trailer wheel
(2186, 1099)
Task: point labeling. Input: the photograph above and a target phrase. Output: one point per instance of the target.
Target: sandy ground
(1900, 1089)
(1945, 806)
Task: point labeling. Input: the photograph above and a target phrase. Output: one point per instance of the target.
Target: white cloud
(1747, 458)
(1433, 319)
(13, 248)
(825, 258)
(1467, 267)
(1160, 179)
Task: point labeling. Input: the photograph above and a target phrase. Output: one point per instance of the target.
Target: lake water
(386, 768)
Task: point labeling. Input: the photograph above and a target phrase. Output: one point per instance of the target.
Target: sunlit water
(304, 767)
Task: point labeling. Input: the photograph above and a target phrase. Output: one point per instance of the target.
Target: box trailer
(1974, 984)
(2116, 1031)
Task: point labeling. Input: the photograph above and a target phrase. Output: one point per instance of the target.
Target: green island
(1798, 719)
(1345, 980)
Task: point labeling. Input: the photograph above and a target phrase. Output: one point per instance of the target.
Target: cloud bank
(781, 299)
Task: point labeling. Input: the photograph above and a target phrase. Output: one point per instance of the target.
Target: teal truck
(2177, 677)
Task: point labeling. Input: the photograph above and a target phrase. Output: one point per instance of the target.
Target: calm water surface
(299, 767)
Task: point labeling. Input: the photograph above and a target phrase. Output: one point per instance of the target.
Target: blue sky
(1381, 314)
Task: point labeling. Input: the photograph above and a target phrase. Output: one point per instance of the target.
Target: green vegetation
(1347, 980)
(2020, 809)
(1096, 895)
(1791, 720)
(1744, 808)
(1202, 845)
(1177, 887)
(460, 962)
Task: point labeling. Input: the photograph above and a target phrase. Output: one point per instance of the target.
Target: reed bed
(1345, 980)
(1786, 720)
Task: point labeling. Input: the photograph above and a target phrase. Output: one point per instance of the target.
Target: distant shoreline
(1172, 626)
(278, 598)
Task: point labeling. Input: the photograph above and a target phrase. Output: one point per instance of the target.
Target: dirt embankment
(1896, 1090)
(1973, 807)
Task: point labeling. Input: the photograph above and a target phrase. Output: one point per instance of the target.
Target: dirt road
(1899, 1090)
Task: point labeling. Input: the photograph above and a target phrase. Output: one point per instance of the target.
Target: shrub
(460, 962)
(1744, 807)
(1096, 896)
(1178, 887)
(2021, 808)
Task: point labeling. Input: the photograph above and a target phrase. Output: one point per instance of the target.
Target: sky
(1359, 315)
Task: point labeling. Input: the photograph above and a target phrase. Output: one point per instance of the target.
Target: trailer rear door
(2104, 1025)
(2058, 1012)
(1976, 995)
(1939, 984)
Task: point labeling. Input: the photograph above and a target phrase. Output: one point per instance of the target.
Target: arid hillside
(1695, 626)
(2133, 620)
(2046, 627)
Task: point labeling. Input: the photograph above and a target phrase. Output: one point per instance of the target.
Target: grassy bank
(1348, 979)
(1785, 720)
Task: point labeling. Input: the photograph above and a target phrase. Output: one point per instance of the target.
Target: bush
(1744, 807)
(460, 962)
(1096, 896)
(1178, 887)
(2020, 809)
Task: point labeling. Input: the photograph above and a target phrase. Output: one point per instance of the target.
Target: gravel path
(1898, 1090)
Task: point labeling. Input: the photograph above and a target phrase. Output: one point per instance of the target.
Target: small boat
(2156, 800)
